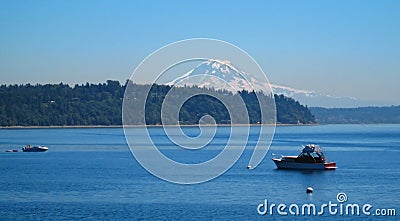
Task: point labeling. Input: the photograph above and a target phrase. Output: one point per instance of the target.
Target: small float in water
(34, 149)
(311, 158)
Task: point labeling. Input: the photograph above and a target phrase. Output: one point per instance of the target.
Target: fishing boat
(34, 149)
(310, 158)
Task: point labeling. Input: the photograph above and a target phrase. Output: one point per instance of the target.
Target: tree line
(359, 115)
(101, 104)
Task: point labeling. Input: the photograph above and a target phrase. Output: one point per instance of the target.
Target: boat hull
(35, 149)
(282, 164)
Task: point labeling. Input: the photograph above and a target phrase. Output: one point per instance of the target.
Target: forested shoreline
(359, 115)
(101, 104)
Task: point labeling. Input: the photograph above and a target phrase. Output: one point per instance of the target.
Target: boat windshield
(312, 153)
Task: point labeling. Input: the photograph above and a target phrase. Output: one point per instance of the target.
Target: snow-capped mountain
(219, 74)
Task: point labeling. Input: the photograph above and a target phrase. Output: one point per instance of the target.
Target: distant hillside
(91, 104)
(361, 115)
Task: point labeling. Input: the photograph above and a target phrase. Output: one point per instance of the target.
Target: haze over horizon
(338, 48)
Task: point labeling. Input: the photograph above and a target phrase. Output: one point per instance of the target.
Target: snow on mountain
(314, 99)
(219, 74)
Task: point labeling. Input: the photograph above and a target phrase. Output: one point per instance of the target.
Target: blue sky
(342, 48)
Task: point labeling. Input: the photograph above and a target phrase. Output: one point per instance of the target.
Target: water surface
(89, 173)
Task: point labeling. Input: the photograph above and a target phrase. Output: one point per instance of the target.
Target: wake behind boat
(34, 149)
(311, 158)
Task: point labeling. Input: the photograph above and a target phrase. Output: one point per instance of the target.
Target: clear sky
(342, 48)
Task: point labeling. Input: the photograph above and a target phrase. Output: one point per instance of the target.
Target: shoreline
(185, 125)
(140, 126)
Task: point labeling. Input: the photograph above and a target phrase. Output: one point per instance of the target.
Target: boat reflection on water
(311, 158)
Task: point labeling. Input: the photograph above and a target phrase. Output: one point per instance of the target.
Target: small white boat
(11, 150)
(311, 158)
(34, 149)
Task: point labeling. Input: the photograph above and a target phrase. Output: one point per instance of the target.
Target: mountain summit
(222, 75)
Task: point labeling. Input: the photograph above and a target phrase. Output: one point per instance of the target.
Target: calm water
(91, 174)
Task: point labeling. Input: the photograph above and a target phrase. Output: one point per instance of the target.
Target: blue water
(90, 174)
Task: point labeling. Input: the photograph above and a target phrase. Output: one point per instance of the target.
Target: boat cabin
(311, 154)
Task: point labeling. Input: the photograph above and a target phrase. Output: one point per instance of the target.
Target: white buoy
(249, 167)
(309, 190)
